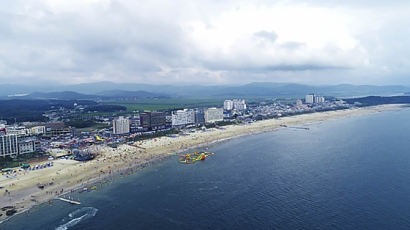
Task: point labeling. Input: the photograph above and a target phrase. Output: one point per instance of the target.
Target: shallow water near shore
(350, 173)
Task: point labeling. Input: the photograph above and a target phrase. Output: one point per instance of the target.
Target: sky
(205, 42)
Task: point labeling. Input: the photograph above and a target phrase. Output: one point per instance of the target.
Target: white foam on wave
(77, 216)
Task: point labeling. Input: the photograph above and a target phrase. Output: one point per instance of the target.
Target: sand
(67, 175)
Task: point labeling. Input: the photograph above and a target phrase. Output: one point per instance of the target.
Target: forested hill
(376, 100)
(32, 110)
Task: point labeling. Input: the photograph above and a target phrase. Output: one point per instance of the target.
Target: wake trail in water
(77, 216)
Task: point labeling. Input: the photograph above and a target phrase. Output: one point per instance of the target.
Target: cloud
(271, 36)
(202, 42)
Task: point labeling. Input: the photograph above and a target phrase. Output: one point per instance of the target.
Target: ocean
(350, 173)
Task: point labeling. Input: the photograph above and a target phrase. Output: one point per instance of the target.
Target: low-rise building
(38, 130)
(18, 130)
(28, 146)
(57, 128)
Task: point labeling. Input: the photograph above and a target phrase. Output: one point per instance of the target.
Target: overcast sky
(205, 42)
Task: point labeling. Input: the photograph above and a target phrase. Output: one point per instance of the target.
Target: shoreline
(68, 175)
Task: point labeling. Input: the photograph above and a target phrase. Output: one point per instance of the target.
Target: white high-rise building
(121, 125)
(319, 99)
(228, 105)
(213, 115)
(183, 117)
(310, 99)
(239, 104)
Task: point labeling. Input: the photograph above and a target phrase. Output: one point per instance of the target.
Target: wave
(77, 216)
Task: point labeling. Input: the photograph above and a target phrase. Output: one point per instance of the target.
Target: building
(3, 131)
(158, 120)
(319, 99)
(136, 120)
(8, 145)
(228, 105)
(299, 102)
(310, 98)
(121, 125)
(19, 131)
(213, 115)
(38, 130)
(145, 120)
(28, 145)
(153, 120)
(239, 104)
(199, 117)
(183, 117)
(135, 125)
(57, 129)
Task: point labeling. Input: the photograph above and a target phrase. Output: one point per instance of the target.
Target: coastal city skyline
(207, 114)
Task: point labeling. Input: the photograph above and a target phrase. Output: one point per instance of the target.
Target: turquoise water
(351, 173)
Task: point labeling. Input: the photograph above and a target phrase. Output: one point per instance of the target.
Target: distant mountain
(105, 95)
(260, 89)
(65, 95)
(283, 89)
(112, 90)
(129, 95)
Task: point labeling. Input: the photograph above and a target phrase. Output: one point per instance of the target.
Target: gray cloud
(154, 42)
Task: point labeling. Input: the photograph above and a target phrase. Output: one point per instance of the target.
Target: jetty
(68, 200)
(296, 127)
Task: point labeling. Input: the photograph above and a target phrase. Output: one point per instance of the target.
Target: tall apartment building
(199, 117)
(238, 104)
(121, 125)
(8, 145)
(183, 117)
(153, 120)
(228, 105)
(319, 99)
(213, 115)
(310, 98)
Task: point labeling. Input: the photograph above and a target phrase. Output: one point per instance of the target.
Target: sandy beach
(67, 175)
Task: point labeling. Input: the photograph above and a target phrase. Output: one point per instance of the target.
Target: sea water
(350, 173)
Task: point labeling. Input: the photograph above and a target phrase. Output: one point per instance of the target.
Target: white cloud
(203, 41)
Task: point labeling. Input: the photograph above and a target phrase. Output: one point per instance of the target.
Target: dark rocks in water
(11, 212)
